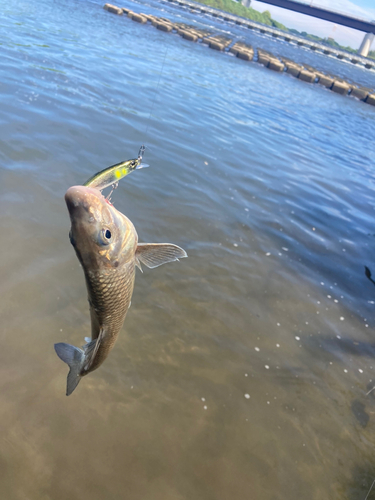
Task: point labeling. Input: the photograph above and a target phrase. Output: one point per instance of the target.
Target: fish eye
(105, 236)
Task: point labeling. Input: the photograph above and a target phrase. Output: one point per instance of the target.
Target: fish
(107, 247)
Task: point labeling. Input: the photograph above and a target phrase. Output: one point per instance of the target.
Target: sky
(364, 9)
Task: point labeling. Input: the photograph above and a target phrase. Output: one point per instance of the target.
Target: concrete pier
(364, 49)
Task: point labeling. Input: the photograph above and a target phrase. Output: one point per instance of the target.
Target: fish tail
(74, 358)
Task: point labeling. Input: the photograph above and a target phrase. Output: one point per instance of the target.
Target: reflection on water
(246, 370)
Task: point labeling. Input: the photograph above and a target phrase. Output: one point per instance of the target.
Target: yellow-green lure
(110, 176)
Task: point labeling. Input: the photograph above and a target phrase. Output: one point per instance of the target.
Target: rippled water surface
(243, 371)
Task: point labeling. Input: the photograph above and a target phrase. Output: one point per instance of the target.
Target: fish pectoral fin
(91, 350)
(155, 254)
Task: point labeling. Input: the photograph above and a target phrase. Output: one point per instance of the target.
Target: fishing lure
(112, 175)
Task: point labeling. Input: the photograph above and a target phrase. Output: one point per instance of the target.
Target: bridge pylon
(366, 44)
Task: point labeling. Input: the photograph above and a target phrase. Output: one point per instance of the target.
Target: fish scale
(109, 298)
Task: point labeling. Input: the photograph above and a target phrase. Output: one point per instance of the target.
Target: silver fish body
(106, 244)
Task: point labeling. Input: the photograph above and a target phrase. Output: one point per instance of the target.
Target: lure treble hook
(142, 149)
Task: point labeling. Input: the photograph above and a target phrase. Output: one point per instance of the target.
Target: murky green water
(243, 371)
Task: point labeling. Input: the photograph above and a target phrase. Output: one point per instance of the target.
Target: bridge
(333, 17)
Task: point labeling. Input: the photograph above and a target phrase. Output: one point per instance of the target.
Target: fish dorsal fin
(91, 350)
(155, 254)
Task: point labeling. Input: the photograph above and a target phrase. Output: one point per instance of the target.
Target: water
(242, 371)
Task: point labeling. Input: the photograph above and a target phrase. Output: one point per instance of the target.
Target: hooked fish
(106, 244)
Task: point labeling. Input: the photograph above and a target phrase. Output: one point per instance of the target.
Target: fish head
(101, 235)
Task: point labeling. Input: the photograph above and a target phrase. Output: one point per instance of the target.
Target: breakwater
(276, 33)
(246, 52)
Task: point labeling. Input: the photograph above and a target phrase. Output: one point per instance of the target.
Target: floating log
(113, 9)
(341, 87)
(139, 18)
(246, 55)
(164, 27)
(216, 45)
(307, 76)
(293, 68)
(360, 93)
(189, 35)
(325, 80)
(276, 65)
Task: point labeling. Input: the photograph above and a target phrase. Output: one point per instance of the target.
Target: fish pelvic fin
(155, 254)
(138, 264)
(90, 351)
(73, 357)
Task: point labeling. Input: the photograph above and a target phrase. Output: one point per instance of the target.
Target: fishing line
(157, 90)
(156, 93)
(370, 489)
(216, 32)
(158, 85)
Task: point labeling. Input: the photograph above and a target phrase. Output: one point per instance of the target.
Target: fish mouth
(85, 204)
(82, 197)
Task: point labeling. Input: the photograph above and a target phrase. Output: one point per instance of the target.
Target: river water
(243, 371)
